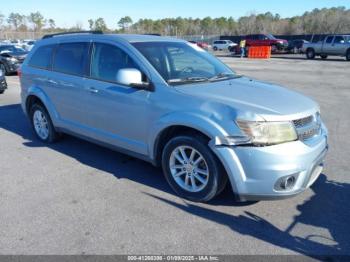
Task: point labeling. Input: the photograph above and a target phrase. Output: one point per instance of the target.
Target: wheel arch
(181, 123)
(36, 95)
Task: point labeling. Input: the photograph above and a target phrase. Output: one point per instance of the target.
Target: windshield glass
(180, 63)
(271, 37)
(10, 48)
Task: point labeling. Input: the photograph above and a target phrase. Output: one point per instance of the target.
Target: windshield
(180, 63)
(271, 37)
(11, 48)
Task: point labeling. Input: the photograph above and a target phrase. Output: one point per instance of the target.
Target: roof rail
(72, 33)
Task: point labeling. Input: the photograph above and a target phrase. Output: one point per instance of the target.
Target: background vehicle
(203, 45)
(11, 57)
(263, 40)
(338, 45)
(3, 84)
(28, 44)
(223, 45)
(171, 103)
(295, 46)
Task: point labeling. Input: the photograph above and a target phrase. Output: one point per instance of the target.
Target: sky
(68, 13)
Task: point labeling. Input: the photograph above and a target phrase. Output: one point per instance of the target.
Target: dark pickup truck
(263, 40)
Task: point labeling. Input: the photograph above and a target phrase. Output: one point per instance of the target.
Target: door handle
(93, 90)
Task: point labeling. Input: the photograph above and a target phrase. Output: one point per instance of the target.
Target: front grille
(308, 127)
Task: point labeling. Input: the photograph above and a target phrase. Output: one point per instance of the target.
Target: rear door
(66, 83)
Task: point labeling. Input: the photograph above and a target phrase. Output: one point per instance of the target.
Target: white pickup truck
(338, 45)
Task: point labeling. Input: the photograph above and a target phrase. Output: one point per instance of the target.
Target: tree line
(317, 21)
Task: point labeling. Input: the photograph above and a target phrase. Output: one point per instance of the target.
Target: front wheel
(191, 168)
(215, 48)
(2, 91)
(3, 68)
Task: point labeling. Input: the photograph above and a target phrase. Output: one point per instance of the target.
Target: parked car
(11, 57)
(263, 40)
(28, 44)
(202, 45)
(295, 46)
(338, 45)
(174, 105)
(3, 84)
(223, 45)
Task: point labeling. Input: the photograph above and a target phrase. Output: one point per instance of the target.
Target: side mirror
(132, 77)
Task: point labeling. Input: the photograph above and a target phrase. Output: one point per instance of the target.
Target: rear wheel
(310, 53)
(348, 55)
(324, 56)
(191, 168)
(42, 124)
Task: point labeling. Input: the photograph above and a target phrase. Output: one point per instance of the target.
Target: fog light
(286, 183)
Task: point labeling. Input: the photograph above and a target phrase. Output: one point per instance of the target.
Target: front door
(115, 113)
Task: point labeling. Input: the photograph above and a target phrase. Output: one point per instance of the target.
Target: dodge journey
(173, 104)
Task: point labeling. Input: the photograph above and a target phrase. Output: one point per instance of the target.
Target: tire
(310, 53)
(37, 111)
(205, 188)
(3, 68)
(2, 91)
(215, 48)
(324, 57)
(347, 55)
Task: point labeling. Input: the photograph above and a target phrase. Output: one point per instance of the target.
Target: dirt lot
(78, 198)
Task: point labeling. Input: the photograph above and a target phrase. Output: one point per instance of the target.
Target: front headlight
(268, 133)
(12, 59)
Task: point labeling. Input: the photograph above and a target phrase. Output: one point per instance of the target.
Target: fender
(197, 121)
(39, 93)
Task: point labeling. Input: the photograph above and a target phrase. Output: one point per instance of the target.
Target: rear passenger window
(71, 58)
(107, 60)
(42, 57)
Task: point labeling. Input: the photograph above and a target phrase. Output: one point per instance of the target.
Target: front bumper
(13, 67)
(254, 172)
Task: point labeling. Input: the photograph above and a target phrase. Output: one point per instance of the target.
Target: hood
(250, 97)
(19, 55)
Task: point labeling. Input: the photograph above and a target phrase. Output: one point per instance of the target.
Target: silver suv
(176, 106)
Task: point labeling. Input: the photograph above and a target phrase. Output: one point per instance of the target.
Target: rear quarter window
(42, 57)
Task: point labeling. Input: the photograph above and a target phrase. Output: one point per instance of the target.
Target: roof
(131, 38)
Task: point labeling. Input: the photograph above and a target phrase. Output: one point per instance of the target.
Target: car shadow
(328, 209)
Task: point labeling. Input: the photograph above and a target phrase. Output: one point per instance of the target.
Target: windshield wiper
(224, 76)
(194, 79)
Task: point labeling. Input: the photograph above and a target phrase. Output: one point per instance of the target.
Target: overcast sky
(67, 13)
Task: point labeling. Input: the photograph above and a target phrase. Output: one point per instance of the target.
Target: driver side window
(107, 60)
